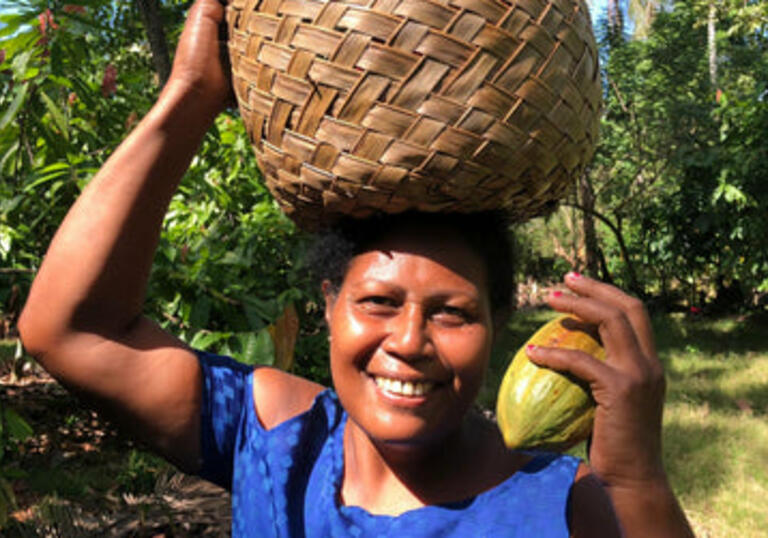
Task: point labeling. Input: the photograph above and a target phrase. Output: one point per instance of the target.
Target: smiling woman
(411, 309)
(411, 328)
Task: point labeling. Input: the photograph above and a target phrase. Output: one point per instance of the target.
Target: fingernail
(574, 275)
(557, 294)
(530, 348)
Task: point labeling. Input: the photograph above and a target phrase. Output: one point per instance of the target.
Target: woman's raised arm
(83, 319)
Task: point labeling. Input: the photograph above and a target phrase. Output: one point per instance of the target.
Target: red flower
(109, 81)
(46, 19)
(72, 98)
(74, 8)
(695, 310)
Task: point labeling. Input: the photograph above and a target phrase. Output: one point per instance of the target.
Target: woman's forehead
(421, 257)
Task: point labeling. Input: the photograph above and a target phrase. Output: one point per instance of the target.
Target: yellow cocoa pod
(540, 408)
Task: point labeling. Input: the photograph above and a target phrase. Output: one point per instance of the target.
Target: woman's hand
(200, 65)
(625, 455)
(628, 387)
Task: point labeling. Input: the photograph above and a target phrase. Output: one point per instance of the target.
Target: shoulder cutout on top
(279, 396)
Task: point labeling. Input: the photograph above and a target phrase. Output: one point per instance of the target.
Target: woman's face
(410, 337)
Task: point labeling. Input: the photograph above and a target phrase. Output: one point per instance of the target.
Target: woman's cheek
(354, 325)
(354, 333)
(467, 349)
(473, 340)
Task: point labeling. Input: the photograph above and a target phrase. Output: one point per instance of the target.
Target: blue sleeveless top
(285, 481)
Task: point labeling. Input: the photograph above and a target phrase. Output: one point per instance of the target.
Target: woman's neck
(391, 479)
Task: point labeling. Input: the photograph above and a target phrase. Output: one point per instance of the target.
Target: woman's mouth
(404, 388)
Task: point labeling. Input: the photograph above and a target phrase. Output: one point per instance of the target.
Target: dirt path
(78, 477)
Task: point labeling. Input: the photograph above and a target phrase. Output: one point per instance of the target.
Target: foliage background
(674, 206)
(76, 79)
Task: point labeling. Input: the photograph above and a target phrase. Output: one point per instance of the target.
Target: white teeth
(404, 388)
(408, 388)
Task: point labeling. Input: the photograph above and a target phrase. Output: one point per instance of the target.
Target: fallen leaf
(744, 404)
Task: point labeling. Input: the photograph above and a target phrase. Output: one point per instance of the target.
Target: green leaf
(258, 308)
(205, 339)
(6, 241)
(19, 64)
(55, 167)
(7, 500)
(12, 149)
(52, 175)
(61, 81)
(17, 427)
(20, 91)
(201, 311)
(257, 348)
(84, 92)
(56, 114)
(30, 73)
(13, 22)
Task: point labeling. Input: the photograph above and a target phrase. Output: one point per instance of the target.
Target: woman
(411, 326)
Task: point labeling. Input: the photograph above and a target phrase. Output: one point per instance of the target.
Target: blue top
(285, 481)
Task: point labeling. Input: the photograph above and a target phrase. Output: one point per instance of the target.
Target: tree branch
(150, 13)
(634, 284)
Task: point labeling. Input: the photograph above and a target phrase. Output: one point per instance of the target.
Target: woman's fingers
(616, 332)
(198, 64)
(632, 307)
(580, 364)
(623, 322)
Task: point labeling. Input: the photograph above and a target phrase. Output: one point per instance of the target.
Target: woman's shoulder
(279, 396)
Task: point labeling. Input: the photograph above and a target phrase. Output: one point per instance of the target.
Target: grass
(715, 427)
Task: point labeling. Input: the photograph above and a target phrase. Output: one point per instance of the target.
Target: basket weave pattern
(359, 106)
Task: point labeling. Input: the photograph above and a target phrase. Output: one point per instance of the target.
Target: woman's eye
(450, 315)
(378, 302)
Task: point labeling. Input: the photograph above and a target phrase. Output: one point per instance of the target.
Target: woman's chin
(401, 432)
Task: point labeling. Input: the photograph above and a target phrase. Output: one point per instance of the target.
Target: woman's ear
(330, 297)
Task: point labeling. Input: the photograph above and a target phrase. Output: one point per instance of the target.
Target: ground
(79, 477)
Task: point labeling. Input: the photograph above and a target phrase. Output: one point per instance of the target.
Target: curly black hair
(486, 233)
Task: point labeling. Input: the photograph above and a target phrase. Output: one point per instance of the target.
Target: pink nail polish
(574, 274)
(557, 294)
(530, 348)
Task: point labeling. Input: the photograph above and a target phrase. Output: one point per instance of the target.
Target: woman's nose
(408, 336)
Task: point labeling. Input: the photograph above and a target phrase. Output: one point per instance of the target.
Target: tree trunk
(587, 200)
(712, 42)
(615, 20)
(605, 274)
(158, 44)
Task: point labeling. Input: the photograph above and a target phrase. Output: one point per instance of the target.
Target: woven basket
(360, 106)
